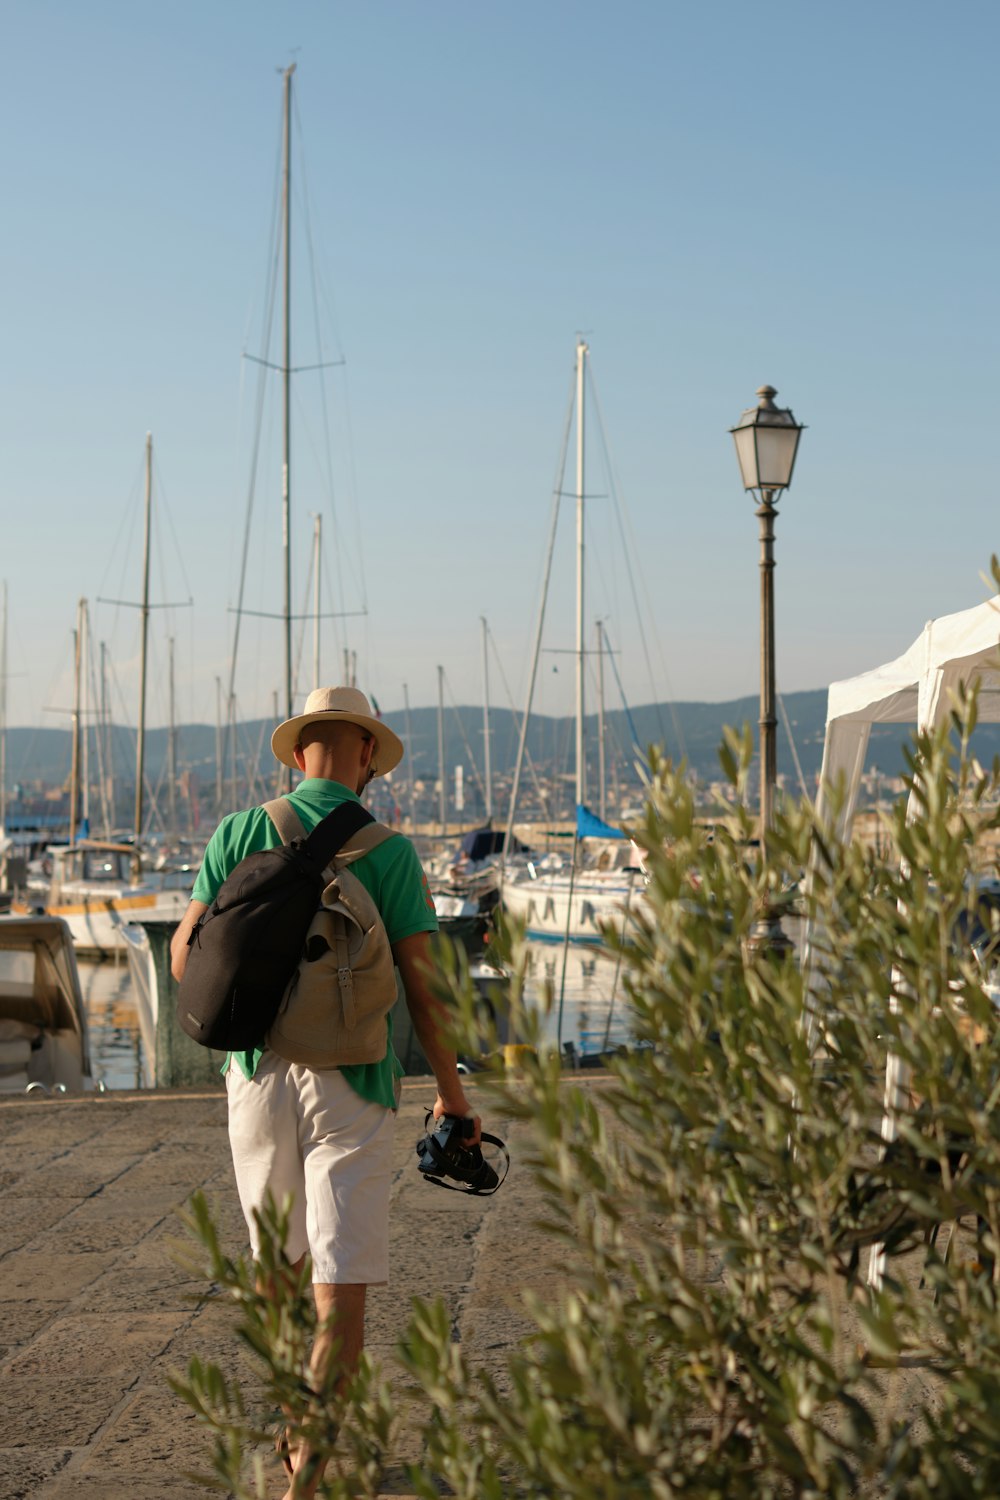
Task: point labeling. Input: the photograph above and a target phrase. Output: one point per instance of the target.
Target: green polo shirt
(391, 874)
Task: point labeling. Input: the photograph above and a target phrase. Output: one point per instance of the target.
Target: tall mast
(233, 783)
(286, 370)
(602, 770)
(218, 748)
(442, 792)
(140, 744)
(5, 856)
(104, 756)
(85, 715)
(172, 748)
(3, 720)
(581, 764)
(74, 775)
(316, 599)
(409, 754)
(486, 725)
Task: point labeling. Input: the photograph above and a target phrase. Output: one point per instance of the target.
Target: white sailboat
(559, 898)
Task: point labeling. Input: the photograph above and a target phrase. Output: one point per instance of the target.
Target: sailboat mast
(140, 743)
(601, 766)
(286, 371)
(85, 652)
(104, 756)
(581, 764)
(316, 599)
(441, 783)
(486, 725)
(409, 754)
(3, 720)
(172, 748)
(218, 748)
(74, 775)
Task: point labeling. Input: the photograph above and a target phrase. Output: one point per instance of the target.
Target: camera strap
(444, 1165)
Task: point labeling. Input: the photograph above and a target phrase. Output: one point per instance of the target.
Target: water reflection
(116, 1056)
(580, 985)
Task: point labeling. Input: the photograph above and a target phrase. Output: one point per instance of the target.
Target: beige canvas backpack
(333, 1011)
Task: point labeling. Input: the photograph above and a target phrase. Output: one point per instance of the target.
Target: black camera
(442, 1153)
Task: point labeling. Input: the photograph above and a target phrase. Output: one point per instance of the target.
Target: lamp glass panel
(775, 456)
(746, 452)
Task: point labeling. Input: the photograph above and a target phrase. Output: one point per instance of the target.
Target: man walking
(325, 1135)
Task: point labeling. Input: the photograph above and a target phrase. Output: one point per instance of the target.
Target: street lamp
(767, 439)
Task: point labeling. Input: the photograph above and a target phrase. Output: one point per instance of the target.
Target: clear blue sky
(721, 195)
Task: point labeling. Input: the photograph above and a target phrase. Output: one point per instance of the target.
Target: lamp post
(767, 439)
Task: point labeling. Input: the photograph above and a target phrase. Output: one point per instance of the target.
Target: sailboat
(464, 879)
(97, 886)
(572, 899)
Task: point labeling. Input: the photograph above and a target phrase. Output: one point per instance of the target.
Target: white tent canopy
(917, 688)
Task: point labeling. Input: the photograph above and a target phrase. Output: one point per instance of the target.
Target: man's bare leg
(340, 1311)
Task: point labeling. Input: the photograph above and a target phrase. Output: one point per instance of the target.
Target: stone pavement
(94, 1309)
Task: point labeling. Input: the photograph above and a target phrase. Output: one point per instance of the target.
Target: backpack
(244, 950)
(333, 1011)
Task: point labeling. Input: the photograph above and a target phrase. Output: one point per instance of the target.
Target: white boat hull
(553, 908)
(95, 919)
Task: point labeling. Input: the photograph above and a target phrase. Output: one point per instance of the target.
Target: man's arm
(179, 942)
(430, 1022)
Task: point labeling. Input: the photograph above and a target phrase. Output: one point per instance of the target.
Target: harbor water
(580, 985)
(116, 1052)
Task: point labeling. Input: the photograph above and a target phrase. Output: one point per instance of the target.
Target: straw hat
(343, 705)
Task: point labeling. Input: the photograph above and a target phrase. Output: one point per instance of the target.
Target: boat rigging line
(265, 344)
(324, 405)
(543, 801)
(636, 744)
(629, 548)
(465, 738)
(547, 573)
(794, 749)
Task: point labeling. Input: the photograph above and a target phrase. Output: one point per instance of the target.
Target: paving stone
(21, 1163)
(73, 1486)
(165, 1168)
(23, 1471)
(94, 1225)
(60, 1412)
(155, 1433)
(25, 1216)
(131, 1286)
(53, 1127)
(86, 1346)
(49, 1274)
(20, 1320)
(76, 1174)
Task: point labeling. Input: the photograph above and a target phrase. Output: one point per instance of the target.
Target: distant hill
(689, 731)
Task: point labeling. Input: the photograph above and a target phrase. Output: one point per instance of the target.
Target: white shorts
(307, 1132)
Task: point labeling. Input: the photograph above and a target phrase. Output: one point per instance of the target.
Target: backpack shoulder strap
(329, 834)
(364, 841)
(285, 819)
